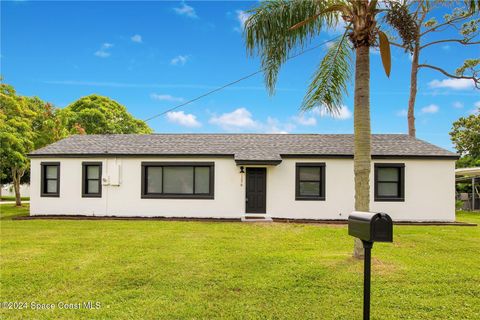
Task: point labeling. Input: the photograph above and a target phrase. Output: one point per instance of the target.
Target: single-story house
(289, 176)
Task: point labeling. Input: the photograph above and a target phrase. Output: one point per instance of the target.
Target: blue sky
(150, 56)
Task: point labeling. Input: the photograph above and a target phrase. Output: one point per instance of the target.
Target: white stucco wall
(429, 191)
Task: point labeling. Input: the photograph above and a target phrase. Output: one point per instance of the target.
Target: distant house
(294, 176)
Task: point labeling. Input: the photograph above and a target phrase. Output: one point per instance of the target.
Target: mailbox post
(369, 227)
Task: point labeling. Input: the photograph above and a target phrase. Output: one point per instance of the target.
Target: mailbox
(370, 226)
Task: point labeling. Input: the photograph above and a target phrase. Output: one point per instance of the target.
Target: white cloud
(166, 97)
(186, 10)
(329, 44)
(457, 105)
(136, 38)
(305, 121)
(103, 52)
(455, 84)
(242, 17)
(431, 108)
(179, 60)
(343, 113)
(186, 120)
(240, 118)
(402, 113)
(275, 126)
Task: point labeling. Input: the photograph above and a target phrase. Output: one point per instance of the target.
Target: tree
(47, 125)
(16, 135)
(27, 123)
(96, 114)
(276, 28)
(416, 30)
(465, 136)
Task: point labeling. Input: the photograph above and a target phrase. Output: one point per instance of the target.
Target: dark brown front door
(256, 197)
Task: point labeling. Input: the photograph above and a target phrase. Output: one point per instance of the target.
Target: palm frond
(473, 5)
(329, 83)
(268, 31)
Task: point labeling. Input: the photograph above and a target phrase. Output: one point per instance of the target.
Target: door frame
(264, 169)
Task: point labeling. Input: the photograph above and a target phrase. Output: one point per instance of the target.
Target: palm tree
(275, 28)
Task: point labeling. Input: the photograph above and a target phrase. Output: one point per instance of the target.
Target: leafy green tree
(467, 162)
(276, 28)
(27, 123)
(47, 125)
(16, 135)
(465, 136)
(95, 114)
(417, 29)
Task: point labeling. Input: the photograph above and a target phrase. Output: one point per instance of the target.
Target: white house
(294, 176)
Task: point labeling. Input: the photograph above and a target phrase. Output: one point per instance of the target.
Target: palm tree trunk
(413, 92)
(362, 136)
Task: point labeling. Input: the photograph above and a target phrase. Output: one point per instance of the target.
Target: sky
(152, 56)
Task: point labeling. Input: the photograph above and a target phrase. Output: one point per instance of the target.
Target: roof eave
(258, 162)
(126, 155)
(139, 155)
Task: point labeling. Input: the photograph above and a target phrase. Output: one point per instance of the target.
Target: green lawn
(206, 270)
(12, 198)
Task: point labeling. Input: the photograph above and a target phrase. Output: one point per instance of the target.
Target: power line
(235, 82)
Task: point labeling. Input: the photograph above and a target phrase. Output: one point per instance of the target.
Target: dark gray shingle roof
(242, 146)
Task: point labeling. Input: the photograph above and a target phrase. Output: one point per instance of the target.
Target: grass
(12, 198)
(206, 270)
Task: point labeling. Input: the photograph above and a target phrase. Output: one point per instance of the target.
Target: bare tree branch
(446, 23)
(461, 41)
(475, 80)
(397, 45)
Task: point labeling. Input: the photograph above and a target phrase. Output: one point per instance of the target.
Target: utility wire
(236, 81)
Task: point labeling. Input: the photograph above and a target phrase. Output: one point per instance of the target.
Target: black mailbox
(370, 226)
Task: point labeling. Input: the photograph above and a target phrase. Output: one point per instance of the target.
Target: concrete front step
(256, 218)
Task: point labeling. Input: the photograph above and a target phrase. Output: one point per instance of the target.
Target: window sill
(50, 195)
(389, 200)
(309, 198)
(177, 196)
(91, 195)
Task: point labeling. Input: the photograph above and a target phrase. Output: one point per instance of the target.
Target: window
(50, 176)
(310, 181)
(92, 179)
(178, 180)
(389, 181)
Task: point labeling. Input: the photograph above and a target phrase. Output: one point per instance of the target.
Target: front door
(256, 189)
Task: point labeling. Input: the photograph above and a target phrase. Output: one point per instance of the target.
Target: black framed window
(50, 179)
(389, 182)
(178, 180)
(310, 181)
(91, 179)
